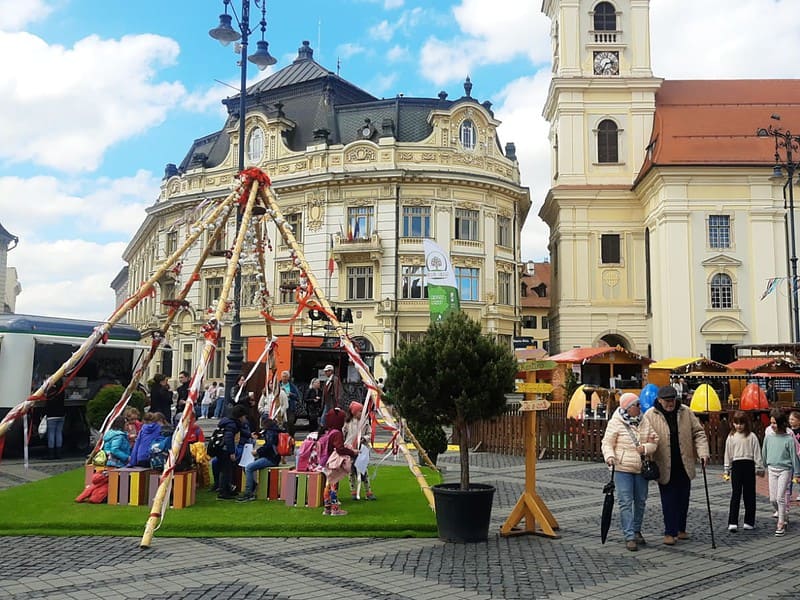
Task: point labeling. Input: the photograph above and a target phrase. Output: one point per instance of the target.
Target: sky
(97, 96)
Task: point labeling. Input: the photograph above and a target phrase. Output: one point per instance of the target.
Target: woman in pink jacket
(623, 449)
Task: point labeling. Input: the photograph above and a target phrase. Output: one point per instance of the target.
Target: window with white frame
(296, 221)
(360, 221)
(417, 221)
(217, 367)
(467, 134)
(413, 283)
(719, 231)
(503, 288)
(529, 321)
(721, 291)
(545, 322)
(504, 232)
(359, 283)
(288, 281)
(250, 293)
(172, 242)
(186, 358)
(255, 146)
(219, 241)
(466, 224)
(213, 290)
(468, 280)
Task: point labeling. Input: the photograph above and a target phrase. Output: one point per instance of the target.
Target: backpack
(322, 448)
(285, 444)
(216, 442)
(159, 451)
(307, 454)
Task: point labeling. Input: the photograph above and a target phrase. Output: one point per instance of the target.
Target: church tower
(600, 107)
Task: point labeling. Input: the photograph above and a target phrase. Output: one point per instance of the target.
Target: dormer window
(255, 146)
(467, 134)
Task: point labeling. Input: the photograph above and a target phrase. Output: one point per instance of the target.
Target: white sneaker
(733, 528)
(747, 527)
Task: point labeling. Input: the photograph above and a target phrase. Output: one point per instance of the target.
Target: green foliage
(431, 437)
(453, 376)
(571, 383)
(98, 407)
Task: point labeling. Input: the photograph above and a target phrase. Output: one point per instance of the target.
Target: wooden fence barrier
(573, 439)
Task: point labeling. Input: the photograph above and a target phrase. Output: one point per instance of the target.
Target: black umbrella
(608, 507)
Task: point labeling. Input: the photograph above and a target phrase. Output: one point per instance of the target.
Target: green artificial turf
(47, 507)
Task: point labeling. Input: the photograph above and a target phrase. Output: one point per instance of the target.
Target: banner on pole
(440, 280)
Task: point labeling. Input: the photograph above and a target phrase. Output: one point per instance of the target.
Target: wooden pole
(530, 505)
(180, 433)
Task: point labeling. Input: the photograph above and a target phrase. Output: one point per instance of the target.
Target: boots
(51, 453)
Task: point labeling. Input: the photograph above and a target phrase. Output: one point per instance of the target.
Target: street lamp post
(225, 34)
(786, 166)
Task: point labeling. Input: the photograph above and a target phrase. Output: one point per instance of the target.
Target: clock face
(366, 132)
(606, 63)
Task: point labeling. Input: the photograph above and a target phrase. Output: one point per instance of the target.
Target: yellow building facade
(664, 226)
(363, 181)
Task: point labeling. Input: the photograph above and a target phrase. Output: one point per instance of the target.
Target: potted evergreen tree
(454, 377)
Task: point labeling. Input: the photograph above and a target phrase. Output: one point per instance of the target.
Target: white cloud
(349, 49)
(382, 31)
(383, 83)
(495, 31)
(397, 54)
(520, 112)
(67, 273)
(92, 96)
(15, 15)
(405, 23)
(391, 4)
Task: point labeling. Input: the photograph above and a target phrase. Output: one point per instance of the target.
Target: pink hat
(627, 400)
(356, 407)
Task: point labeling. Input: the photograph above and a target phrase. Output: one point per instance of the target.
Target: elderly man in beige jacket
(623, 448)
(682, 440)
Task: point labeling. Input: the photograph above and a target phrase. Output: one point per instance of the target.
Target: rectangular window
(219, 242)
(250, 293)
(503, 288)
(410, 337)
(172, 242)
(414, 283)
(529, 322)
(186, 362)
(359, 283)
(467, 279)
(296, 221)
(466, 224)
(289, 280)
(213, 291)
(360, 222)
(504, 232)
(719, 231)
(216, 369)
(417, 221)
(545, 323)
(609, 248)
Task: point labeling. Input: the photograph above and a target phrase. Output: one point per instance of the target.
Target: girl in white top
(743, 461)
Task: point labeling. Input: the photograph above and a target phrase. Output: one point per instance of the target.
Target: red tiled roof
(579, 355)
(706, 122)
(541, 275)
(757, 363)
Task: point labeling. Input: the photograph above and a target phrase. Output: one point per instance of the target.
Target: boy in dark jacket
(237, 423)
(266, 455)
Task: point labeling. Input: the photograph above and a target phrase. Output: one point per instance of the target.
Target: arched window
(607, 142)
(467, 134)
(721, 291)
(255, 146)
(605, 17)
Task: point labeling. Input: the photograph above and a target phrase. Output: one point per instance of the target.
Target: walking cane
(708, 505)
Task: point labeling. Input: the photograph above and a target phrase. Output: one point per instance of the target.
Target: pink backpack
(322, 447)
(308, 454)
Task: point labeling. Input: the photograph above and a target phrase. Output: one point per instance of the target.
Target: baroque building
(363, 180)
(10, 287)
(664, 225)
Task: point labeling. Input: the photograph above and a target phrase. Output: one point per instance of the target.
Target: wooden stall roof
(689, 365)
(584, 355)
(770, 364)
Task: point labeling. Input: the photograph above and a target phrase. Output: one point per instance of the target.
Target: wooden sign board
(538, 404)
(538, 365)
(535, 388)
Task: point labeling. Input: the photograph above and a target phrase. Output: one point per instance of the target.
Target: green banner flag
(441, 281)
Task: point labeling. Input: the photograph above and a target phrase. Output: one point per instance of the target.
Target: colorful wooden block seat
(183, 488)
(128, 486)
(303, 488)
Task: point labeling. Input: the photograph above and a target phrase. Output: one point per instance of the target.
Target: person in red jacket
(340, 459)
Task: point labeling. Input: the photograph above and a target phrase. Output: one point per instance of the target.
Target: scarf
(627, 418)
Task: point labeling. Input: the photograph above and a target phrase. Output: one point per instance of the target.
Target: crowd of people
(670, 435)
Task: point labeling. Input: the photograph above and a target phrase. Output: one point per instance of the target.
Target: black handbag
(650, 470)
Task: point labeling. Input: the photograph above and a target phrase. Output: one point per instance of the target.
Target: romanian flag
(349, 232)
(331, 264)
(356, 231)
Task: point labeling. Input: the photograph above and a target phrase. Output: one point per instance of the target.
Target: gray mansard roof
(316, 99)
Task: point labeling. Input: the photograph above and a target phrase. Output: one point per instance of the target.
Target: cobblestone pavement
(752, 564)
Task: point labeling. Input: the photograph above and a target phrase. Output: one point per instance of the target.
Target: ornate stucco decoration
(360, 153)
(315, 209)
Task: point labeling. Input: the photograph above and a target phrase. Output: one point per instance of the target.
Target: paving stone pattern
(751, 564)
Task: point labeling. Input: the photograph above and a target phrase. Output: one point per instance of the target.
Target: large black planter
(463, 515)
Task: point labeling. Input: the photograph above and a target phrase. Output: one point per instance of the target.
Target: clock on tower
(606, 62)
